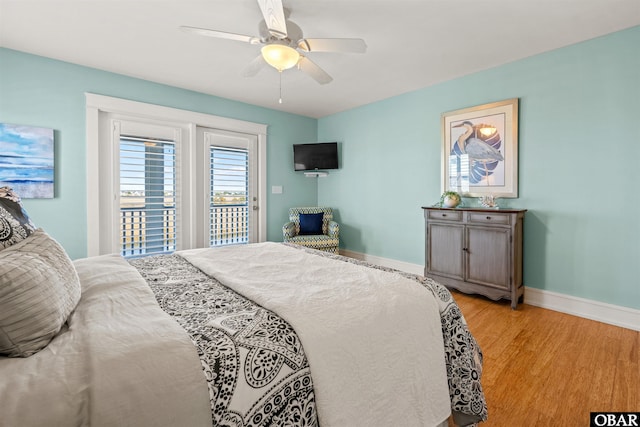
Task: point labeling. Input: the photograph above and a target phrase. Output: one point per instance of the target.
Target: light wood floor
(544, 368)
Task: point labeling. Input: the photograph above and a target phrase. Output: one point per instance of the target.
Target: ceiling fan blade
(311, 69)
(221, 34)
(254, 66)
(273, 14)
(333, 45)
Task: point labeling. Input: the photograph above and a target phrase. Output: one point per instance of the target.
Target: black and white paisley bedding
(254, 363)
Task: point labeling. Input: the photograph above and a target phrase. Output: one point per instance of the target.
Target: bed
(266, 334)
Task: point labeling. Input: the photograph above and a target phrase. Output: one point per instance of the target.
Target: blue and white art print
(480, 150)
(26, 160)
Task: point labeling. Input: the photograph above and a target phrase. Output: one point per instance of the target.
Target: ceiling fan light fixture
(280, 57)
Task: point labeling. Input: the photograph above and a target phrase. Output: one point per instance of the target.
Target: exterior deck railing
(229, 224)
(140, 236)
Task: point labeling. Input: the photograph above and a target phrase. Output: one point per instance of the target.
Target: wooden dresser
(476, 250)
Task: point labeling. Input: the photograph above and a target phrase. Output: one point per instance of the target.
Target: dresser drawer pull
(444, 214)
(488, 217)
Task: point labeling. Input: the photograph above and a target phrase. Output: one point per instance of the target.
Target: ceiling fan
(283, 44)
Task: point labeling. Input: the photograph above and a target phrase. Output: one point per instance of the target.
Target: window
(146, 211)
(155, 186)
(147, 196)
(229, 196)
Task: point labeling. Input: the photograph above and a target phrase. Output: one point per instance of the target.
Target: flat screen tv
(316, 156)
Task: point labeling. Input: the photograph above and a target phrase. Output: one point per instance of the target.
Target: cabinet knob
(488, 217)
(465, 249)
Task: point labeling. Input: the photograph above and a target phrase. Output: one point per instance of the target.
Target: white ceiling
(411, 44)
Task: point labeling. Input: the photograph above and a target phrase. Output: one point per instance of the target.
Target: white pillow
(39, 288)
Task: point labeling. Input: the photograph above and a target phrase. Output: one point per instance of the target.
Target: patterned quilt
(254, 363)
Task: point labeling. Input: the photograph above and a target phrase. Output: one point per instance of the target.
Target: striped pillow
(39, 288)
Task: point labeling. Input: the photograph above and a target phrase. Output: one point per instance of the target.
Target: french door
(229, 184)
(161, 179)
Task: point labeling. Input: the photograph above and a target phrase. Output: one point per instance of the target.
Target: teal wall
(579, 153)
(579, 150)
(42, 92)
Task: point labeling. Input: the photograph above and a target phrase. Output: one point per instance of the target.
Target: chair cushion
(318, 241)
(15, 224)
(311, 223)
(39, 288)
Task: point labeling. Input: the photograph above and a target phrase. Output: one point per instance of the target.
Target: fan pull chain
(280, 99)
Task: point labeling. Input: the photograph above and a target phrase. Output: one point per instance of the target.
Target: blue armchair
(325, 237)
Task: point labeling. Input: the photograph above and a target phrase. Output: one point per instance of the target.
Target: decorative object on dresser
(476, 250)
(450, 199)
(489, 201)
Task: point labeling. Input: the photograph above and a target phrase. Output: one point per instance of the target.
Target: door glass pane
(229, 196)
(147, 196)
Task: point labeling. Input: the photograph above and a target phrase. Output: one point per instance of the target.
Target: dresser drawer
(489, 218)
(448, 215)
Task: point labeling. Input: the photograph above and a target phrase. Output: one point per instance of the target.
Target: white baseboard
(589, 309)
(407, 267)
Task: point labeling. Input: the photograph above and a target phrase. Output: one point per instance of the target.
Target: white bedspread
(121, 361)
(373, 339)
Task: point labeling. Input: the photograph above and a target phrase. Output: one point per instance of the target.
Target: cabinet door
(444, 246)
(488, 256)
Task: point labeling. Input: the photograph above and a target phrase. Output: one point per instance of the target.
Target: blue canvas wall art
(26, 160)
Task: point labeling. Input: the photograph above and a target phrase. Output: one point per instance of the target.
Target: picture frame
(480, 150)
(27, 160)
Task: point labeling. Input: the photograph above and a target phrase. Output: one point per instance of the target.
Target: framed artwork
(480, 150)
(26, 160)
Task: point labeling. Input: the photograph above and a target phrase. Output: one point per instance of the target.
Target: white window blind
(228, 195)
(148, 213)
